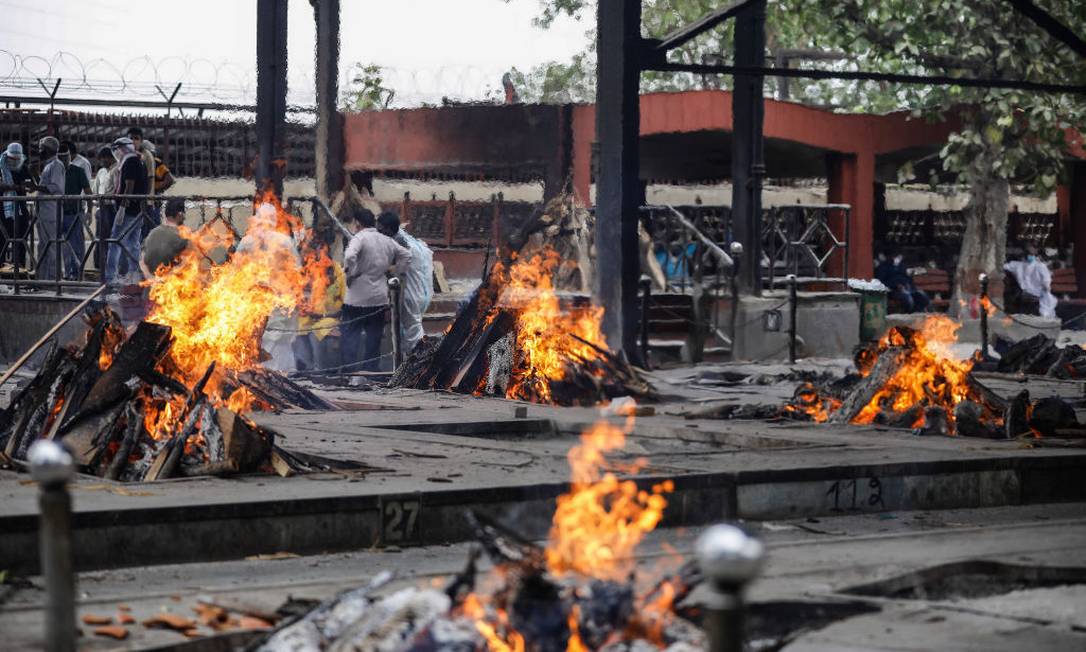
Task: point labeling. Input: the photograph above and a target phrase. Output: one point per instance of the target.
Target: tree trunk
(984, 245)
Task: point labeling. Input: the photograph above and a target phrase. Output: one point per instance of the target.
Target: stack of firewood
(96, 398)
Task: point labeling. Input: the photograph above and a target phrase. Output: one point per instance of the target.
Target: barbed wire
(229, 82)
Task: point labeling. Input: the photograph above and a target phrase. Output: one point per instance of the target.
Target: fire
(217, 313)
(545, 333)
(474, 608)
(808, 401)
(594, 531)
(597, 525)
(926, 373)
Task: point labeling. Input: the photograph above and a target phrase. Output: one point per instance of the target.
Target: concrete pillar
(852, 181)
(329, 132)
(618, 187)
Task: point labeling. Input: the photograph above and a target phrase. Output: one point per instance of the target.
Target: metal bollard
(729, 558)
(646, 296)
(394, 296)
(984, 302)
(51, 467)
(793, 303)
(736, 249)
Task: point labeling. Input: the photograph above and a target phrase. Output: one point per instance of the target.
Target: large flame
(548, 338)
(927, 373)
(594, 531)
(598, 524)
(218, 313)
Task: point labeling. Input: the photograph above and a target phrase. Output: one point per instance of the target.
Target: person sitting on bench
(892, 273)
(1035, 280)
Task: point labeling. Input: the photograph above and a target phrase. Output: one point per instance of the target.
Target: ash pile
(127, 412)
(582, 591)
(530, 331)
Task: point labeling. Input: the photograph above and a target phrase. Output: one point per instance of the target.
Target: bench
(937, 284)
(1065, 287)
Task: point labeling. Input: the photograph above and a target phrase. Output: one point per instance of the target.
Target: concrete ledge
(335, 522)
(827, 324)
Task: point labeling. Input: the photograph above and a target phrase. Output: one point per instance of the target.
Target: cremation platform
(438, 454)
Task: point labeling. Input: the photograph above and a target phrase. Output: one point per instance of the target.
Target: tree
(1004, 138)
(366, 90)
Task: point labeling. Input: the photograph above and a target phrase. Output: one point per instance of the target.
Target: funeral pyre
(530, 332)
(582, 591)
(169, 398)
(911, 379)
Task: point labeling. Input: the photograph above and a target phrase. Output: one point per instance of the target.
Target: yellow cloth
(330, 303)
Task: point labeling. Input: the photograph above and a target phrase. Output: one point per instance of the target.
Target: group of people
(355, 299)
(128, 166)
(1030, 274)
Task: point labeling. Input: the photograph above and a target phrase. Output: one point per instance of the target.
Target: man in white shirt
(418, 279)
(366, 264)
(103, 184)
(1035, 279)
(51, 183)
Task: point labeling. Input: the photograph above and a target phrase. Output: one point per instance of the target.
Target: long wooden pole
(45, 338)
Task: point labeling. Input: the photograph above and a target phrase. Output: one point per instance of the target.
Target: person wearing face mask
(1035, 281)
(53, 175)
(12, 161)
(131, 180)
(73, 220)
(892, 273)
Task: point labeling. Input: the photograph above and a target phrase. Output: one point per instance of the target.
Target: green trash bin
(872, 308)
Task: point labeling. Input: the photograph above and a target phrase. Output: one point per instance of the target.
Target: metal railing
(808, 241)
(63, 242)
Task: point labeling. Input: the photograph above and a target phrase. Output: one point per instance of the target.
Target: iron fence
(58, 242)
(809, 241)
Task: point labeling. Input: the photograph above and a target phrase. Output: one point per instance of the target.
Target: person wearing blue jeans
(132, 180)
(358, 322)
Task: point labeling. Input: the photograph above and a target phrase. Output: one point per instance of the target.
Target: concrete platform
(441, 454)
(809, 562)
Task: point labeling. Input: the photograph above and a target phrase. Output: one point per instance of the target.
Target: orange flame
(218, 313)
(597, 525)
(513, 641)
(544, 331)
(926, 373)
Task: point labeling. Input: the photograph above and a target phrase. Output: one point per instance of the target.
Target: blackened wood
(245, 447)
(89, 436)
(27, 400)
(1014, 418)
(473, 364)
(906, 419)
(503, 545)
(38, 409)
(984, 395)
(970, 421)
(141, 351)
(1050, 414)
(133, 429)
(882, 371)
(157, 379)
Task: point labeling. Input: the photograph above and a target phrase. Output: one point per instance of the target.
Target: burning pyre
(910, 379)
(168, 399)
(580, 592)
(519, 339)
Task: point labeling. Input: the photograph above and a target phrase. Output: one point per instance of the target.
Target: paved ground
(814, 560)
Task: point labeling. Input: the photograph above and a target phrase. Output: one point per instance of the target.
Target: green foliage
(1020, 133)
(366, 90)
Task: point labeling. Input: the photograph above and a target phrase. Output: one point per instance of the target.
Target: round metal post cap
(983, 277)
(791, 278)
(728, 555)
(393, 282)
(50, 463)
(736, 247)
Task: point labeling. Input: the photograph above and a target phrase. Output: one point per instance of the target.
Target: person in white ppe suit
(417, 279)
(1035, 279)
(282, 325)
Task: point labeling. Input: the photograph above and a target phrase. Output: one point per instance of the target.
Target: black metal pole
(329, 128)
(271, 94)
(748, 165)
(793, 303)
(618, 188)
(646, 298)
(984, 303)
(737, 262)
(51, 466)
